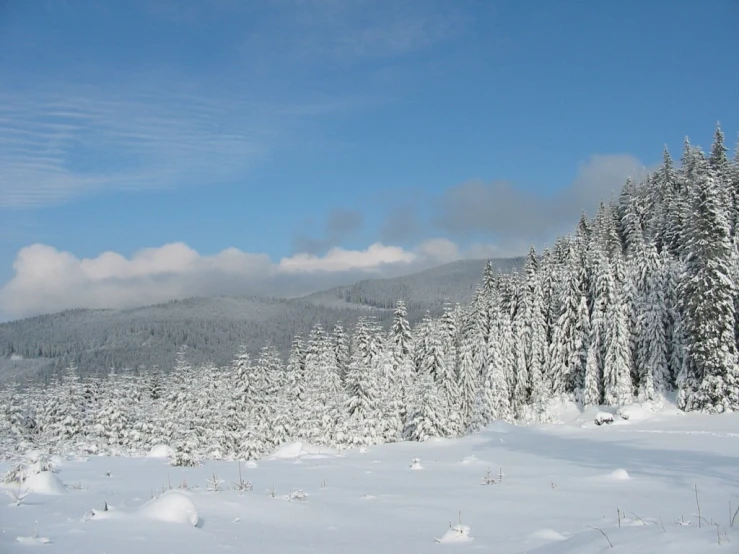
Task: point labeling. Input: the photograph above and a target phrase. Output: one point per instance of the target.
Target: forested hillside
(212, 329)
(639, 301)
(453, 283)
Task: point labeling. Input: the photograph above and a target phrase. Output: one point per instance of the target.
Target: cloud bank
(48, 280)
(511, 214)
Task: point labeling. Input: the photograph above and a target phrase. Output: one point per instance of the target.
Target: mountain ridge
(213, 328)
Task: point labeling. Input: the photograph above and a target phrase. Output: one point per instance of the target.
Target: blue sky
(282, 130)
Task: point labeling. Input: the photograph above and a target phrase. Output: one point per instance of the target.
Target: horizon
(295, 146)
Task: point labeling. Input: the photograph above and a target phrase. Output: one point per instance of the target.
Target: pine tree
(538, 347)
(711, 382)
(495, 400)
(617, 385)
(592, 391)
(402, 389)
(468, 372)
(652, 344)
(428, 418)
(568, 353)
(341, 350)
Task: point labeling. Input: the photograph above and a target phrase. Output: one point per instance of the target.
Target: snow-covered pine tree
(400, 347)
(421, 338)
(428, 416)
(602, 291)
(668, 233)
(495, 398)
(568, 350)
(651, 351)
(711, 382)
(240, 402)
(364, 389)
(444, 368)
(341, 349)
(449, 339)
(469, 371)
(70, 427)
(538, 347)
(294, 397)
(617, 384)
(325, 391)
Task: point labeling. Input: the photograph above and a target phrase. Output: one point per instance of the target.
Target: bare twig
(733, 518)
(698, 504)
(602, 533)
(637, 517)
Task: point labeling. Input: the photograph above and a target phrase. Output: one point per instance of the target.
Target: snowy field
(561, 486)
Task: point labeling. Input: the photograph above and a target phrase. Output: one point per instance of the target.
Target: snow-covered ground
(564, 489)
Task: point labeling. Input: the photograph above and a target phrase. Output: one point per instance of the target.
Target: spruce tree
(711, 380)
(617, 384)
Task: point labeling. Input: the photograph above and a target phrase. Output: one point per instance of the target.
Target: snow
(161, 451)
(45, 482)
(301, 450)
(33, 540)
(173, 507)
(619, 475)
(458, 533)
(562, 485)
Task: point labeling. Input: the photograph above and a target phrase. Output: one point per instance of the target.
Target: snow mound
(33, 540)
(547, 535)
(288, 451)
(251, 464)
(640, 540)
(416, 463)
(45, 482)
(295, 450)
(312, 452)
(457, 534)
(603, 417)
(161, 451)
(172, 507)
(619, 475)
(473, 460)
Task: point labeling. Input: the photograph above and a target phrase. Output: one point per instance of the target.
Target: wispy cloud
(357, 30)
(58, 145)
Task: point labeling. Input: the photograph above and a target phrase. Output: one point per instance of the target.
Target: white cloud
(48, 280)
(339, 259)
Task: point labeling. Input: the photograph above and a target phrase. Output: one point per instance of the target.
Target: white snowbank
(294, 450)
(603, 417)
(313, 452)
(473, 460)
(161, 451)
(173, 507)
(288, 451)
(33, 540)
(458, 533)
(547, 535)
(619, 475)
(45, 482)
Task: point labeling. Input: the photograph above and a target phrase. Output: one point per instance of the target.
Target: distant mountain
(427, 290)
(213, 329)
